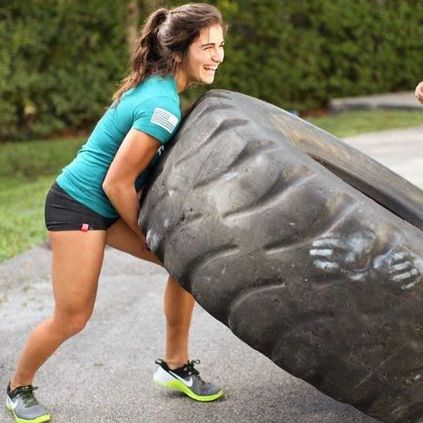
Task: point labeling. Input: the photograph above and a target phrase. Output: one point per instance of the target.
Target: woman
(419, 92)
(95, 202)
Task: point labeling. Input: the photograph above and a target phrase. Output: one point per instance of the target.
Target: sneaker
(24, 406)
(186, 379)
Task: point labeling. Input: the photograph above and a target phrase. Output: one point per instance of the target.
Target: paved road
(104, 374)
(400, 150)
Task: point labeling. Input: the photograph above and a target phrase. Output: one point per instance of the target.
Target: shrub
(60, 60)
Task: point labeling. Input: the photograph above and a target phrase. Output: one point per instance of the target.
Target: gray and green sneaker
(24, 406)
(187, 380)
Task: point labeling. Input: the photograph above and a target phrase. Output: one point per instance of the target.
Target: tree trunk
(133, 23)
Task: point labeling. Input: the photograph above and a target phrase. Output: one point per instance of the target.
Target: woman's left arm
(134, 155)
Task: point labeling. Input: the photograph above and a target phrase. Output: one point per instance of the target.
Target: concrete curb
(401, 100)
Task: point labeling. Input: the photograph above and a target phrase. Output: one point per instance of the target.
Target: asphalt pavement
(105, 373)
(401, 150)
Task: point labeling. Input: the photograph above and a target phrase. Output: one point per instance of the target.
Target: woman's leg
(178, 303)
(174, 372)
(77, 259)
(178, 307)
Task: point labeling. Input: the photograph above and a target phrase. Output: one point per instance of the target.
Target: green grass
(31, 159)
(27, 169)
(347, 124)
(22, 214)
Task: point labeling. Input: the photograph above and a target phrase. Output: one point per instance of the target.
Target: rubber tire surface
(298, 263)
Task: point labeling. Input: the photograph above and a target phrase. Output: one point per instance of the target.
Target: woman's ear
(178, 58)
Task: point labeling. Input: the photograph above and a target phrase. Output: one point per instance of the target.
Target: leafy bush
(299, 54)
(60, 60)
(57, 63)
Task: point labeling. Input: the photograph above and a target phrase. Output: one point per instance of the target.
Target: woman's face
(204, 56)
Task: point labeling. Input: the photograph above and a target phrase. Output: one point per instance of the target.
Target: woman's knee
(69, 325)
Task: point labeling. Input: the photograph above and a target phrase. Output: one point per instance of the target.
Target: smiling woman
(204, 57)
(95, 200)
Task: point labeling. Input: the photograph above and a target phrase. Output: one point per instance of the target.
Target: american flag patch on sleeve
(164, 119)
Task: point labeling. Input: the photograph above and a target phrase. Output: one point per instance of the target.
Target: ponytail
(166, 35)
(147, 54)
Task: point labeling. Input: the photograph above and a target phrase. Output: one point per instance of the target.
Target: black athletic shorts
(63, 213)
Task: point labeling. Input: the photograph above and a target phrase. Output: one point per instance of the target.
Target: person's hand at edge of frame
(419, 92)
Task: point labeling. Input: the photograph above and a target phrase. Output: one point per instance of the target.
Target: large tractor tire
(306, 249)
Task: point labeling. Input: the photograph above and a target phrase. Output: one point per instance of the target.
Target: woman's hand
(134, 155)
(419, 92)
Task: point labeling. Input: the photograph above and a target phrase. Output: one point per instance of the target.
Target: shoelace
(190, 369)
(26, 393)
(186, 370)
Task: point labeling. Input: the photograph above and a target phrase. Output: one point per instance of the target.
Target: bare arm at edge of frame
(419, 92)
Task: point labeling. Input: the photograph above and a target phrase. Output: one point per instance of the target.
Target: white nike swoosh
(188, 382)
(12, 404)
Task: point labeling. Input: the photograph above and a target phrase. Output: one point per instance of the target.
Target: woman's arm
(419, 92)
(134, 155)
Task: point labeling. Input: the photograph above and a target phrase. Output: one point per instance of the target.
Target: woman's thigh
(123, 238)
(77, 261)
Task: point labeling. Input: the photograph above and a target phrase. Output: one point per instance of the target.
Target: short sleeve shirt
(153, 108)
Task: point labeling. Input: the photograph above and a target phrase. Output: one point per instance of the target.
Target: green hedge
(298, 54)
(60, 59)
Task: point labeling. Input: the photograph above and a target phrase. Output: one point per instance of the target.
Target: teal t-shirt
(153, 108)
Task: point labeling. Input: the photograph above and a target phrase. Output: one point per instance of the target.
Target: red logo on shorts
(85, 227)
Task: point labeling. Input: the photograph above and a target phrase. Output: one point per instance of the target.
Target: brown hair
(165, 35)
